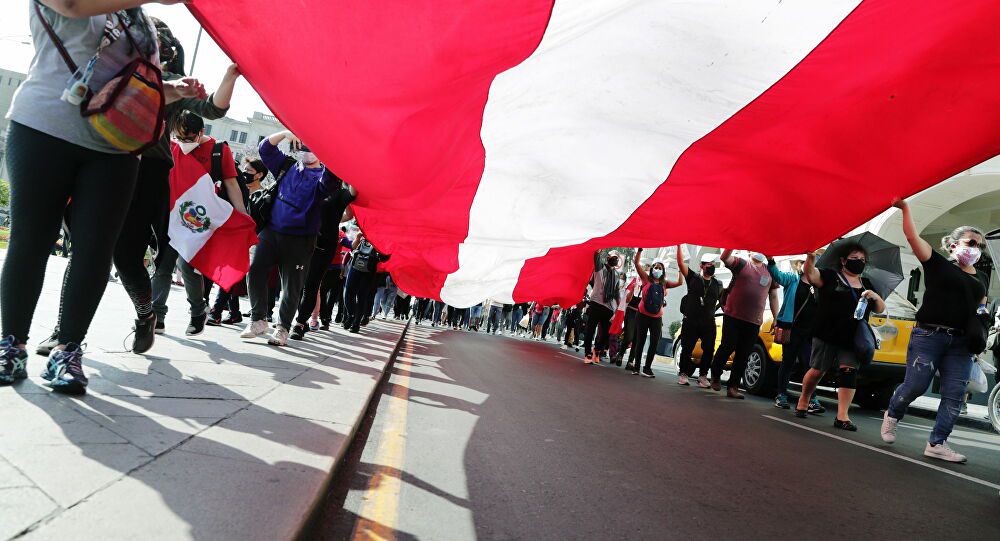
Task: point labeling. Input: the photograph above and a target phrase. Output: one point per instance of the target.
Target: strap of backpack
(283, 170)
(217, 160)
(55, 39)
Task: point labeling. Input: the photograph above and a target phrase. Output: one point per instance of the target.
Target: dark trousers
(646, 324)
(290, 253)
(737, 336)
(797, 351)
(628, 330)
(358, 297)
(224, 300)
(572, 333)
(331, 293)
(146, 213)
(598, 315)
(693, 330)
(319, 263)
(422, 306)
(45, 173)
(493, 321)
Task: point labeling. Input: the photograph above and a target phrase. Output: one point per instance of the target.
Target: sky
(16, 50)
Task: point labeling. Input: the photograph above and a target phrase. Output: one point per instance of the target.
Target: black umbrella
(884, 270)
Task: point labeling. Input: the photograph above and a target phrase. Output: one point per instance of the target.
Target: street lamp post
(197, 43)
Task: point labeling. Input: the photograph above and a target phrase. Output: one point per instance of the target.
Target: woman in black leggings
(650, 316)
(56, 158)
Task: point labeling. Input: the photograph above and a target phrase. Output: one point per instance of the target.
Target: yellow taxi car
(876, 382)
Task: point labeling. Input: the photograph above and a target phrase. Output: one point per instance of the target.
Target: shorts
(538, 319)
(827, 356)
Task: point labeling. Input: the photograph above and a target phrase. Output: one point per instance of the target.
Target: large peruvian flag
(204, 229)
(496, 143)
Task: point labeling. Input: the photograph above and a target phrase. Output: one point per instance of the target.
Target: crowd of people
(310, 261)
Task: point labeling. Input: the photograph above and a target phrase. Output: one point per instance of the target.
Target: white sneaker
(279, 337)
(941, 451)
(254, 329)
(562, 346)
(889, 425)
(683, 380)
(703, 382)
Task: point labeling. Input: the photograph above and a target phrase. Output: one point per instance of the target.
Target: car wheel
(993, 405)
(758, 371)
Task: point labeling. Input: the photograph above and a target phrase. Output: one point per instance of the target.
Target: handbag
(866, 342)
(128, 111)
(262, 201)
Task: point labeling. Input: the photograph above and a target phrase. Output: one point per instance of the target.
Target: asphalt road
(488, 437)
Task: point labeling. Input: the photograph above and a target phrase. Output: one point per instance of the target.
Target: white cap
(800, 257)
(709, 258)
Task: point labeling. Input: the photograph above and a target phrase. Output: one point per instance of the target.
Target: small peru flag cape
(203, 228)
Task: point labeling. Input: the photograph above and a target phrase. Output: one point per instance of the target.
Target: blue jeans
(493, 323)
(933, 352)
(388, 299)
(516, 320)
(438, 307)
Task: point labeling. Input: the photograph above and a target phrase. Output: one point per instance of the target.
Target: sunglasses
(971, 243)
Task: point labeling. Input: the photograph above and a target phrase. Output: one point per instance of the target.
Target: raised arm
(638, 268)
(675, 283)
(921, 248)
(78, 9)
(597, 260)
(727, 257)
(811, 272)
(681, 264)
(224, 94)
(785, 279)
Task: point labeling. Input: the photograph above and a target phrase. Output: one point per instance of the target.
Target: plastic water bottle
(859, 311)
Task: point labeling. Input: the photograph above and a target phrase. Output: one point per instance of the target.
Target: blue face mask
(657, 273)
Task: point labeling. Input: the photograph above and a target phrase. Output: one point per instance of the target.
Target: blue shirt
(297, 208)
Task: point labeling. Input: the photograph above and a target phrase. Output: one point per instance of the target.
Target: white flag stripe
(206, 211)
(615, 93)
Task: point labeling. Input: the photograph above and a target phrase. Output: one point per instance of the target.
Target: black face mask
(613, 261)
(709, 271)
(855, 266)
(247, 178)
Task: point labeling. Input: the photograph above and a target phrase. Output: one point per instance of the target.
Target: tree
(4, 193)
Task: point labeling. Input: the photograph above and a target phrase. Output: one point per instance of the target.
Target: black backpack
(365, 258)
(262, 201)
(217, 174)
(653, 298)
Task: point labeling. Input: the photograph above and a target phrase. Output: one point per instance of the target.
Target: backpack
(365, 258)
(652, 301)
(217, 174)
(262, 201)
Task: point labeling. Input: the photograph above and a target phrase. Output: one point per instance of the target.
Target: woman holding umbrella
(836, 325)
(954, 297)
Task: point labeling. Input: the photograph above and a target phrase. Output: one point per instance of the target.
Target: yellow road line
(380, 504)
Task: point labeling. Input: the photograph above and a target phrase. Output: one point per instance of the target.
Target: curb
(963, 420)
(315, 508)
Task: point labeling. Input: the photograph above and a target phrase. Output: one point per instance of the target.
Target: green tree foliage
(4, 193)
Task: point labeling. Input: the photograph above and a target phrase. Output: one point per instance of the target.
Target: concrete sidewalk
(207, 437)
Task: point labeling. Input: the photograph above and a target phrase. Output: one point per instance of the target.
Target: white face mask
(758, 257)
(967, 255)
(308, 158)
(186, 148)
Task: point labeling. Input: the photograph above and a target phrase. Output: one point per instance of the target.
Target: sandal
(845, 425)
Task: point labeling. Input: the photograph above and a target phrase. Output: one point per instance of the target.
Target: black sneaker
(298, 332)
(214, 320)
(324, 325)
(648, 373)
(144, 333)
(160, 328)
(801, 414)
(233, 319)
(197, 325)
(365, 320)
(355, 329)
(45, 347)
(339, 318)
(845, 425)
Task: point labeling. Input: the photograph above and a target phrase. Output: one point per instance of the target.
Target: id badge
(765, 281)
